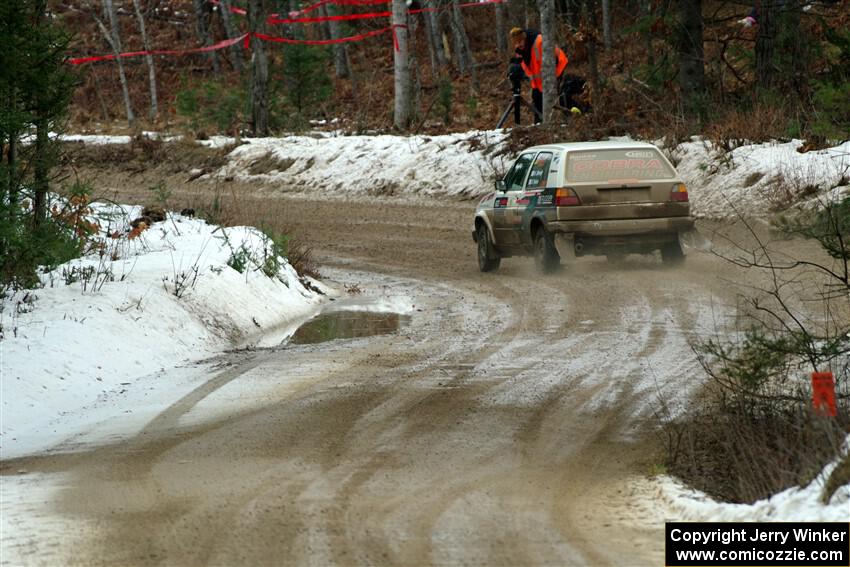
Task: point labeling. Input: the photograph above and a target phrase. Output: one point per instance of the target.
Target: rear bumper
(622, 227)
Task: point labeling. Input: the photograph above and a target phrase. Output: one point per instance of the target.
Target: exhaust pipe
(579, 247)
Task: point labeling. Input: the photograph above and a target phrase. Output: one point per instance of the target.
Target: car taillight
(679, 193)
(566, 198)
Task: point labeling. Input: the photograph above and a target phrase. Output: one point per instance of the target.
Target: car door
(504, 223)
(523, 207)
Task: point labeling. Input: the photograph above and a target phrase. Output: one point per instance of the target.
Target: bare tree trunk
(646, 11)
(691, 61)
(765, 43)
(296, 30)
(202, 28)
(590, 15)
(41, 183)
(324, 27)
(232, 32)
(341, 62)
(429, 37)
(149, 60)
(259, 71)
(413, 65)
(12, 166)
(550, 80)
(401, 116)
(435, 38)
(465, 60)
(501, 36)
(443, 18)
(114, 39)
(574, 8)
(606, 23)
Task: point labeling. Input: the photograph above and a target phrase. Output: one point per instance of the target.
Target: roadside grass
(235, 208)
(840, 476)
(169, 163)
(753, 431)
(743, 451)
(143, 153)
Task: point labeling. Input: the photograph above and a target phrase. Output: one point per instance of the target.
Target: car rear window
(621, 165)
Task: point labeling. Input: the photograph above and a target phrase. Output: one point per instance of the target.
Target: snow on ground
(794, 504)
(760, 177)
(109, 322)
(455, 164)
(749, 180)
(116, 321)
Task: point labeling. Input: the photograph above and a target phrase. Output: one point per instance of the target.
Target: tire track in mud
(494, 430)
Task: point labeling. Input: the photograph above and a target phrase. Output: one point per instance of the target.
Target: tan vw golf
(588, 198)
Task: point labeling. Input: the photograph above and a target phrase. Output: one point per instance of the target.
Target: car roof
(607, 145)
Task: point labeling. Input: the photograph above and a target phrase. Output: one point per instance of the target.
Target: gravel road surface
(498, 426)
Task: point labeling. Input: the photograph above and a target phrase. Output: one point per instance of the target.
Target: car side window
(515, 177)
(539, 171)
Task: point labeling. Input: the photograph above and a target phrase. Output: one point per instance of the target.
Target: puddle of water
(347, 325)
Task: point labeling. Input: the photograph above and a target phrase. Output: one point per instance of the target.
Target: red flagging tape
(273, 19)
(246, 42)
(214, 47)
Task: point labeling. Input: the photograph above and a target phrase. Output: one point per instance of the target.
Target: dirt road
(497, 428)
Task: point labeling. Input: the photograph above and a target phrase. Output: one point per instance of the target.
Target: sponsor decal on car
(616, 165)
(640, 154)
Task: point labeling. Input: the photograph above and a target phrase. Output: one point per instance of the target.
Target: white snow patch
(754, 179)
(106, 323)
(217, 142)
(455, 164)
(750, 180)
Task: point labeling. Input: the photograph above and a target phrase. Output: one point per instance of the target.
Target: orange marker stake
(823, 393)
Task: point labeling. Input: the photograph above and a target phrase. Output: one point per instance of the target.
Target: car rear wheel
(672, 254)
(488, 258)
(545, 255)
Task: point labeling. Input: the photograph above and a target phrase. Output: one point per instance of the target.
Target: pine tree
(35, 88)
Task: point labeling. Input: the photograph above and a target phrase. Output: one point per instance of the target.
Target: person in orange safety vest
(528, 44)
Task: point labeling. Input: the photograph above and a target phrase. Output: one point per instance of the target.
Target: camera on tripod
(515, 74)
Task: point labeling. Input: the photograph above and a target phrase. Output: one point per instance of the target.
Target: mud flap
(565, 245)
(693, 239)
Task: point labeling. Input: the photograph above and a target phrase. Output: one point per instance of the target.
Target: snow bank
(455, 164)
(130, 308)
(750, 180)
(794, 504)
(755, 179)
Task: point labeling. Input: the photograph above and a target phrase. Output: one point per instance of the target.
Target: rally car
(587, 198)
